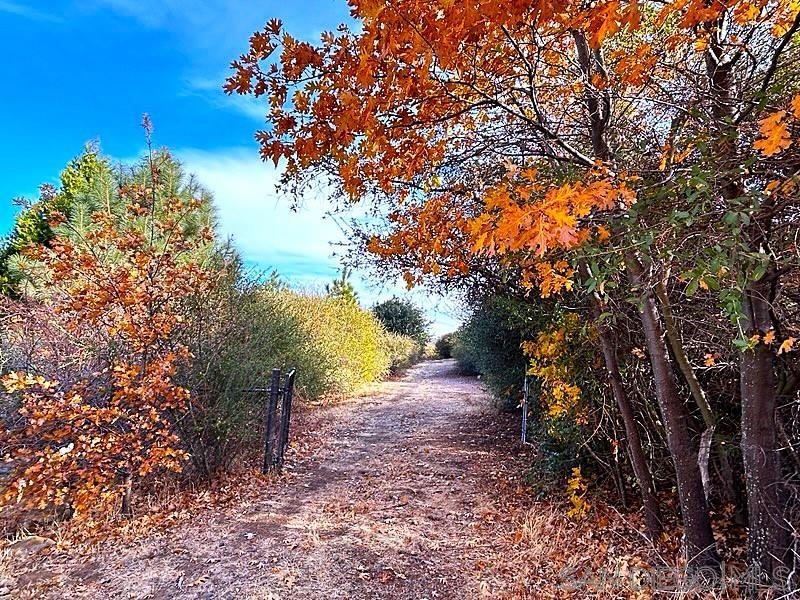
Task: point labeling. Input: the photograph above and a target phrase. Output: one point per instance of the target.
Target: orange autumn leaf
(796, 106)
(774, 134)
(632, 16)
(787, 345)
(773, 185)
(605, 22)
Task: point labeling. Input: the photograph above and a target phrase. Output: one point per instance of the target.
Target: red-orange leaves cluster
(518, 220)
(634, 68)
(118, 290)
(515, 221)
(776, 129)
(465, 94)
(430, 239)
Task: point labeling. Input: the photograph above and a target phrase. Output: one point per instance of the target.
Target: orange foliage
(74, 443)
(419, 105)
(775, 129)
(774, 134)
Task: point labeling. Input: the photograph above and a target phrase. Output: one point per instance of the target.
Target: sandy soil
(402, 497)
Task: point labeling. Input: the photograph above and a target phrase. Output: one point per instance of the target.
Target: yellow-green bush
(348, 341)
(240, 331)
(403, 351)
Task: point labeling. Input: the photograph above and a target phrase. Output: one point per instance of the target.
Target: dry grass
(605, 556)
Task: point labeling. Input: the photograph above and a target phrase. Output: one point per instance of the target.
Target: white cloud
(299, 244)
(257, 216)
(210, 89)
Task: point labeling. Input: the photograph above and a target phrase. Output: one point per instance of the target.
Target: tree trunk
(698, 393)
(699, 542)
(768, 535)
(127, 496)
(652, 512)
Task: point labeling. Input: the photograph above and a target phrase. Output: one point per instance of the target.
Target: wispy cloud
(209, 34)
(22, 10)
(259, 218)
(299, 244)
(216, 26)
(228, 20)
(161, 13)
(210, 89)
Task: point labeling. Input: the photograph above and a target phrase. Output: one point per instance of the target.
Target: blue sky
(80, 70)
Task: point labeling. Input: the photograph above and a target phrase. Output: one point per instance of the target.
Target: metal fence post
(286, 414)
(269, 419)
(524, 411)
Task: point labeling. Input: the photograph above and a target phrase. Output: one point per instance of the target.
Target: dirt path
(400, 500)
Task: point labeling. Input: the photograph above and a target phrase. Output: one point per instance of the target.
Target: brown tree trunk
(768, 535)
(698, 393)
(652, 512)
(698, 538)
(127, 496)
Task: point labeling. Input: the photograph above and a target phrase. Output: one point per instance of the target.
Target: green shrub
(403, 351)
(237, 334)
(342, 288)
(242, 330)
(489, 344)
(404, 318)
(444, 345)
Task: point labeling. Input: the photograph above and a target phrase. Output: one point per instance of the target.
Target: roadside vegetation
(130, 335)
(613, 189)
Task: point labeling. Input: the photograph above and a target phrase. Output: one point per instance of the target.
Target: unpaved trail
(401, 499)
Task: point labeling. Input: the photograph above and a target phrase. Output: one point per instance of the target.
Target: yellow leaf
(745, 13)
(780, 29)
